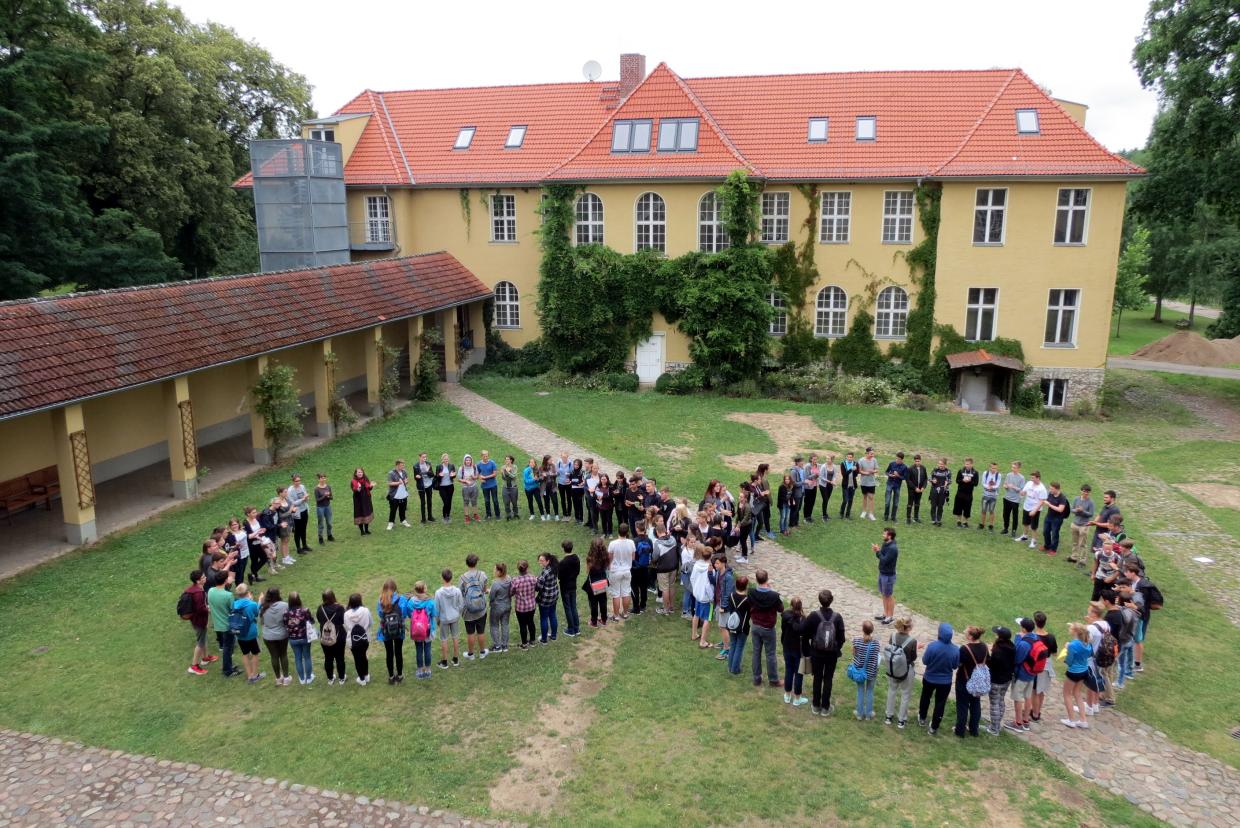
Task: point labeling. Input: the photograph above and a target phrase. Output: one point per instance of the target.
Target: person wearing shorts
(1034, 495)
(1022, 687)
(469, 488)
(887, 554)
(449, 604)
(991, 480)
(1042, 681)
(620, 554)
(867, 479)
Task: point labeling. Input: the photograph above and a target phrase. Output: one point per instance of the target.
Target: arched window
(892, 319)
(507, 306)
(589, 219)
(831, 312)
(712, 236)
(779, 319)
(651, 223)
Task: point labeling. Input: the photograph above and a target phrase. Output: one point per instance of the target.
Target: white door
(650, 358)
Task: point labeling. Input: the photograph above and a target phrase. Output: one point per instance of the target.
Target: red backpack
(420, 624)
(1035, 662)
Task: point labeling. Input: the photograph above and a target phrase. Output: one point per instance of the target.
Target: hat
(1026, 624)
(1003, 633)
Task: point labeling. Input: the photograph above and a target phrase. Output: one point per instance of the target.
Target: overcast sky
(1079, 49)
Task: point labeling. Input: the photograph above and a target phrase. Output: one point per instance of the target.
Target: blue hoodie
(941, 657)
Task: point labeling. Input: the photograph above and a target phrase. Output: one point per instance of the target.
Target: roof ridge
(1055, 103)
(854, 72)
(387, 144)
(978, 123)
(396, 138)
(710, 119)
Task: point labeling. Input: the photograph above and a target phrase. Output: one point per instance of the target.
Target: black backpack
(185, 606)
(824, 635)
(393, 622)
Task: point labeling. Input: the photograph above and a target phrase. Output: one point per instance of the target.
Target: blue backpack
(238, 621)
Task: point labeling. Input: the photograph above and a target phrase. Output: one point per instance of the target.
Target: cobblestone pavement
(1118, 753)
(47, 781)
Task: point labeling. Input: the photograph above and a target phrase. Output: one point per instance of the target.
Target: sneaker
(532, 517)
(934, 731)
(857, 714)
(483, 654)
(801, 701)
(1033, 544)
(775, 683)
(360, 681)
(1022, 539)
(982, 528)
(921, 722)
(406, 524)
(1025, 728)
(888, 720)
(757, 682)
(1067, 723)
(456, 662)
(1104, 703)
(254, 679)
(468, 657)
(211, 659)
(1083, 725)
(888, 620)
(879, 617)
(195, 670)
(288, 561)
(787, 698)
(467, 520)
(828, 710)
(389, 526)
(900, 724)
(873, 518)
(815, 711)
(443, 664)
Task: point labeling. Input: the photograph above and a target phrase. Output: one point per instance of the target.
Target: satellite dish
(592, 70)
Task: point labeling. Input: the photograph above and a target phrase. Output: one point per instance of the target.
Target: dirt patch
(1216, 495)
(1190, 348)
(548, 756)
(668, 451)
(792, 433)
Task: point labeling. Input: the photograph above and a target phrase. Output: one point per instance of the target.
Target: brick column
(182, 443)
(374, 370)
(324, 382)
(258, 428)
(77, 487)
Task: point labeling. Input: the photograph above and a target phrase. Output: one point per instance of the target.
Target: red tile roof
(67, 348)
(980, 357)
(930, 124)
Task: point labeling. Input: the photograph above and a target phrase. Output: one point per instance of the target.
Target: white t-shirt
(622, 551)
(1035, 494)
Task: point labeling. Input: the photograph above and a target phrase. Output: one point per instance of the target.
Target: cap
(1002, 632)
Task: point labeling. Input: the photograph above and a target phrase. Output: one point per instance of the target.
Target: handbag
(807, 666)
(856, 674)
(598, 587)
(312, 632)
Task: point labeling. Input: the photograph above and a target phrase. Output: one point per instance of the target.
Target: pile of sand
(1189, 348)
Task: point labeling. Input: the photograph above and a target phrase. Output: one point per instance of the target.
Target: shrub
(916, 402)
(864, 390)
(689, 381)
(274, 398)
(620, 381)
(1027, 401)
(903, 377)
(425, 377)
(807, 383)
(598, 381)
(746, 388)
(857, 353)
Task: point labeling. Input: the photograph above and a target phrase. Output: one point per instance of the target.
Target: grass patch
(1138, 329)
(1226, 390)
(1215, 463)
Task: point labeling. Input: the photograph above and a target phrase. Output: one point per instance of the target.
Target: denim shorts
(988, 505)
(702, 609)
(886, 584)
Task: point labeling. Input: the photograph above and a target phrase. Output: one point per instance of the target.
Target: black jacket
(887, 555)
(810, 627)
(1002, 662)
(570, 568)
(916, 478)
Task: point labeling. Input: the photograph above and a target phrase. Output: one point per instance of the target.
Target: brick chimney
(632, 72)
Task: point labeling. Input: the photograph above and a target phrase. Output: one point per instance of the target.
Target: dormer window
(1027, 122)
(867, 127)
(817, 130)
(678, 135)
(464, 138)
(324, 134)
(516, 137)
(631, 136)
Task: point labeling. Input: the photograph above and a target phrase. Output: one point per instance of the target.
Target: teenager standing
(468, 475)
(424, 479)
(827, 476)
(962, 506)
(896, 475)
(1082, 520)
(299, 501)
(813, 471)
(323, 507)
(848, 485)
(940, 486)
(941, 659)
(445, 477)
(887, 555)
(1013, 482)
(488, 473)
(363, 505)
(509, 474)
(991, 481)
(332, 636)
(1034, 495)
(357, 623)
(398, 494)
(824, 638)
(533, 493)
(1056, 511)
(867, 479)
(917, 479)
(973, 654)
(568, 570)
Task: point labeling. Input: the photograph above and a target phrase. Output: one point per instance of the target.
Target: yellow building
(1031, 213)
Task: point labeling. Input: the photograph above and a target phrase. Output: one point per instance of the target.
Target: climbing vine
(922, 260)
(795, 272)
(342, 415)
(389, 377)
(466, 211)
(275, 398)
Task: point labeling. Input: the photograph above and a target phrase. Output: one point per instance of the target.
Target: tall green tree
(1130, 291)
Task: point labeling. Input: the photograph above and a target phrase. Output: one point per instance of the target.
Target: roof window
(1027, 122)
(678, 134)
(516, 137)
(867, 127)
(817, 130)
(631, 136)
(464, 138)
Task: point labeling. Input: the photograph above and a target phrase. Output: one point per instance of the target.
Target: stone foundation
(1084, 384)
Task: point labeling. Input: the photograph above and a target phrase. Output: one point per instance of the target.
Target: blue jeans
(491, 496)
(686, 601)
(846, 501)
(301, 658)
(784, 513)
(763, 638)
(735, 651)
(324, 516)
(572, 621)
(547, 618)
(226, 640)
(1127, 657)
(1050, 533)
(424, 654)
(865, 698)
(792, 673)
(891, 505)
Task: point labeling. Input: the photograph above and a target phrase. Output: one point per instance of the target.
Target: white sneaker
(288, 560)
(390, 525)
(872, 517)
(484, 653)
(360, 682)
(405, 523)
(1083, 725)
(1033, 544)
(1067, 722)
(1022, 539)
(533, 516)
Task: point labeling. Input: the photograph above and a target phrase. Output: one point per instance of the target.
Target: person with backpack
(899, 659)
(1149, 598)
(567, 573)
(941, 659)
(972, 682)
(271, 612)
(296, 622)
(737, 606)
(357, 622)
(1002, 665)
(524, 601)
(643, 549)
(192, 607)
(824, 638)
(473, 586)
(1077, 658)
(449, 602)
(547, 593)
(666, 566)
(723, 582)
(1129, 619)
(1042, 681)
(391, 610)
(1105, 649)
(703, 596)
(423, 617)
(1031, 658)
(242, 622)
(501, 608)
(864, 670)
(220, 601)
(332, 637)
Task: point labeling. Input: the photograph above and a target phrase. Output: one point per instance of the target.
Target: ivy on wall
(922, 261)
(795, 272)
(466, 211)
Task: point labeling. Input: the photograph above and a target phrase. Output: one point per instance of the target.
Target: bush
(530, 360)
(857, 353)
(689, 381)
(1027, 401)
(745, 388)
(864, 390)
(903, 377)
(917, 402)
(806, 383)
(620, 381)
(599, 381)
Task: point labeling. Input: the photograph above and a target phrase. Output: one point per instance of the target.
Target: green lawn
(955, 575)
(1137, 328)
(1215, 463)
(96, 654)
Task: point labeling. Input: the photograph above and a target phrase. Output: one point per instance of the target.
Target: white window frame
(901, 223)
(516, 136)
(712, 235)
(779, 320)
(1071, 208)
(830, 320)
(825, 124)
(464, 138)
(776, 217)
(990, 209)
(507, 306)
(655, 226)
(1026, 127)
(630, 124)
(378, 218)
(503, 220)
(679, 134)
(891, 322)
(867, 128)
(588, 222)
(840, 216)
(973, 333)
(1058, 310)
(1048, 386)
(327, 134)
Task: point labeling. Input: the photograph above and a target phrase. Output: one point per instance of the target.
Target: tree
(276, 400)
(1134, 262)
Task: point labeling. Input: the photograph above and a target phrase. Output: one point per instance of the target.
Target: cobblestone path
(1119, 753)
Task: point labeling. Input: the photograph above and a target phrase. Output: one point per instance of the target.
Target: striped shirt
(865, 656)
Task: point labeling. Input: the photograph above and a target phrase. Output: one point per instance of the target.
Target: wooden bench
(37, 487)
